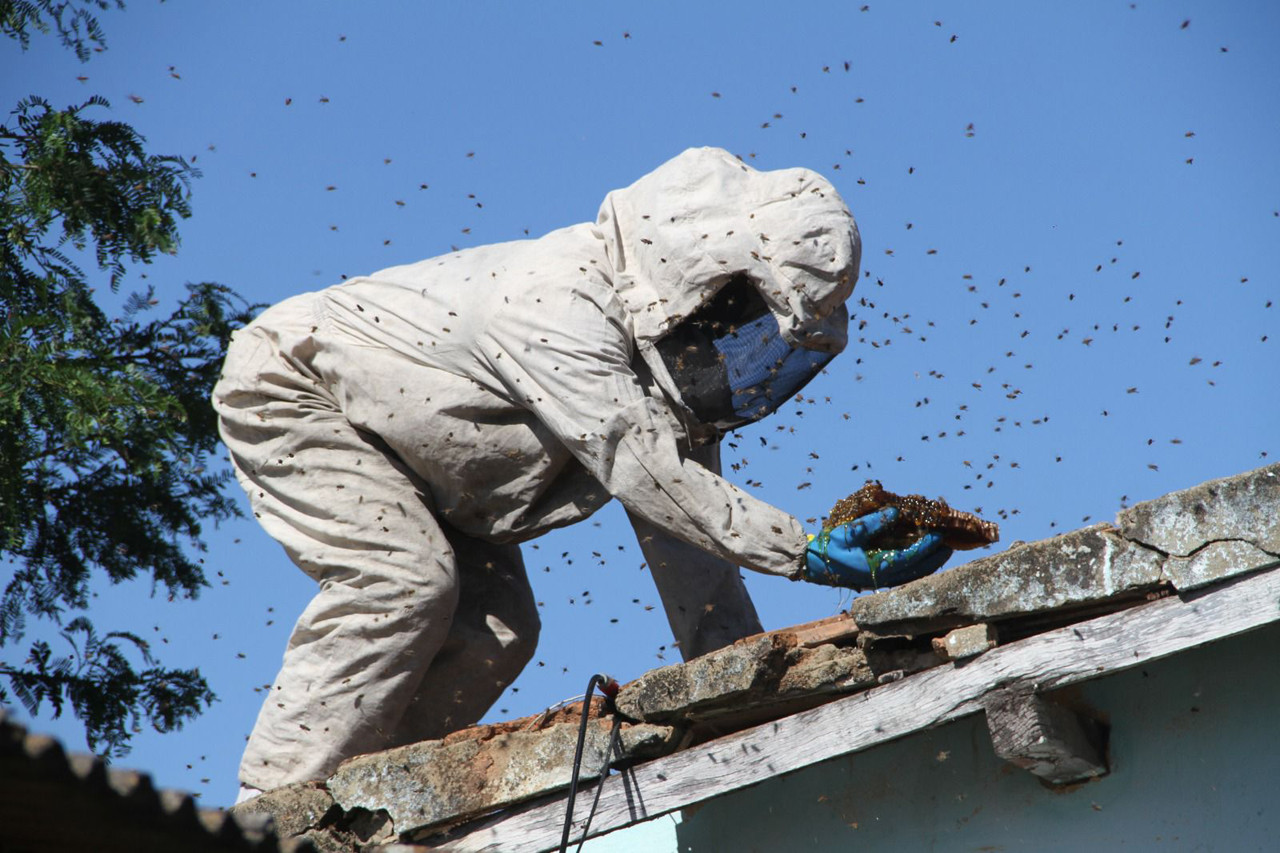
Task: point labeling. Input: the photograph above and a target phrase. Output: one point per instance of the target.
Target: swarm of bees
(979, 393)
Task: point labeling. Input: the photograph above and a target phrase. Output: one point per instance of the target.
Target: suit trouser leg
(493, 636)
(352, 517)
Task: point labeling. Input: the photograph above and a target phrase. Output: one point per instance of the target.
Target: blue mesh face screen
(763, 369)
(730, 362)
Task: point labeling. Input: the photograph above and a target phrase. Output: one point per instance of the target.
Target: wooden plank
(1043, 737)
(1079, 652)
(830, 633)
(828, 630)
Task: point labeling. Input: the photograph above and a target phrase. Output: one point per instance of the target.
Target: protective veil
(400, 433)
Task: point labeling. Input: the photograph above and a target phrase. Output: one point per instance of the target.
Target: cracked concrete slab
(824, 669)
(1087, 565)
(754, 672)
(1216, 561)
(427, 783)
(305, 811)
(717, 679)
(293, 809)
(1213, 530)
(1192, 537)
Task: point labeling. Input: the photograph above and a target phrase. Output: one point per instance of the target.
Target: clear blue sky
(1070, 215)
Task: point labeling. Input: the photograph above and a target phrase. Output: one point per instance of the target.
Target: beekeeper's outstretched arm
(726, 287)
(566, 358)
(565, 353)
(706, 602)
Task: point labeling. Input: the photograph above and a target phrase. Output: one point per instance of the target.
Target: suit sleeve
(565, 354)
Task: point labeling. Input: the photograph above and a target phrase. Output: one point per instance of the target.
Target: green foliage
(107, 693)
(74, 21)
(89, 179)
(106, 430)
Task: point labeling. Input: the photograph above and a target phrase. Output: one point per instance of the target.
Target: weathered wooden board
(1043, 737)
(829, 630)
(1057, 658)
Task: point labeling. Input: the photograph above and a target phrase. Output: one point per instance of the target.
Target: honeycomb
(919, 515)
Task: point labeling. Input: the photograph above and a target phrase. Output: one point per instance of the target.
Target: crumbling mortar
(337, 822)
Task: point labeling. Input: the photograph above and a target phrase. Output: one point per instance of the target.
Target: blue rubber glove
(837, 557)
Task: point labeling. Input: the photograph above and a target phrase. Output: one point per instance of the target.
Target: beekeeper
(401, 433)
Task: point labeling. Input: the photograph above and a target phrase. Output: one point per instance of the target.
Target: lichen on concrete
(293, 808)
(1244, 507)
(426, 783)
(1090, 564)
(1216, 561)
(718, 679)
(1187, 538)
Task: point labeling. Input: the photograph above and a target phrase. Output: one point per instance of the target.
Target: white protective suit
(400, 433)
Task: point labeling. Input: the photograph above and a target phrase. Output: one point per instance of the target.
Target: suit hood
(681, 232)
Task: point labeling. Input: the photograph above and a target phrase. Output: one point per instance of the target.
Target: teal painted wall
(1194, 757)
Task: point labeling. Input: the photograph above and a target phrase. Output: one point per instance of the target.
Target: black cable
(600, 679)
(600, 777)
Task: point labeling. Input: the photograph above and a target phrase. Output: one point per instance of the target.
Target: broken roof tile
(59, 801)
